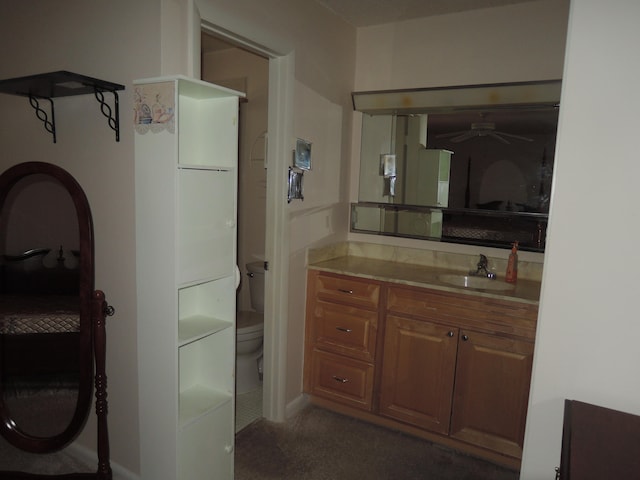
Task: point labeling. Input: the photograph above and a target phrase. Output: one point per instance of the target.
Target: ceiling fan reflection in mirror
(482, 129)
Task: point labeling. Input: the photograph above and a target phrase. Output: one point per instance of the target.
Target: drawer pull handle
(342, 329)
(339, 379)
(343, 290)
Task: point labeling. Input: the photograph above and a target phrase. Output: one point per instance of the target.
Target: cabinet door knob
(342, 329)
(450, 334)
(340, 379)
(465, 338)
(344, 290)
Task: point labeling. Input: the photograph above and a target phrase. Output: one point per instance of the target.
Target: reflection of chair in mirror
(599, 443)
(52, 329)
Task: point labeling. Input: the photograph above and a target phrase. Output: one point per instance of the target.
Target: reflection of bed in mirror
(39, 318)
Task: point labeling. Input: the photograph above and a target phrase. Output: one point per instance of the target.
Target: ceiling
(361, 13)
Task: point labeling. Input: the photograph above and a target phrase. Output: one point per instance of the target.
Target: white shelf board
(199, 326)
(207, 279)
(195, 166)
(199, 400)
(194, 88)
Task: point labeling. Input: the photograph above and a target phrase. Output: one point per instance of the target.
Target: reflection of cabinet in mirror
(428, 178)
(186, 184)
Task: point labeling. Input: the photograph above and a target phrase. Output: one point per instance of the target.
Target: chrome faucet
(482, 269)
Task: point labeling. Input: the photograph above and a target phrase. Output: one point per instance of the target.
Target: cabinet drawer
(342, 379)
(346, 330)
(337, 288)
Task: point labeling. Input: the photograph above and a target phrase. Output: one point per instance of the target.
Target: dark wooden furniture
(599, 443)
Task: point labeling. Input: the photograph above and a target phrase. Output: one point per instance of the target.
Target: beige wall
(115, 41)
(520, 42)
(586, 346)
(321, 217)
(323, 45)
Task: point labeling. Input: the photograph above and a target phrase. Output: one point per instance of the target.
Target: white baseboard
(90, 457)
(121, 473)
(296, 405)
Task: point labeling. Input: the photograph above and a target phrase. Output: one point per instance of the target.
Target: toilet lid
(247, 321)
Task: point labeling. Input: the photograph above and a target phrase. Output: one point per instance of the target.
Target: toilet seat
(248, 322)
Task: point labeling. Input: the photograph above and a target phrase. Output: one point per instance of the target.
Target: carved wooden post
(100, 311)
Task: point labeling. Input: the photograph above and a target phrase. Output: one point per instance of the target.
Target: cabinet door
(491, 391)
(417, 372)
(205, 449)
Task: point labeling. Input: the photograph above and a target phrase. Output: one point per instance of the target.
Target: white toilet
(250, 333)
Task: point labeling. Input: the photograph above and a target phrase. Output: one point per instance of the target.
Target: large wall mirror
(51, 319)
(466, 164)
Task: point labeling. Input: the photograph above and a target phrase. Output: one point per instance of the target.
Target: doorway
(236, 67)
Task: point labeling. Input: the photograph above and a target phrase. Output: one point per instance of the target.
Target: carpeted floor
(321, 445)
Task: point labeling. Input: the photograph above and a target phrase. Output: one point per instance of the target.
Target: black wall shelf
(48, 86)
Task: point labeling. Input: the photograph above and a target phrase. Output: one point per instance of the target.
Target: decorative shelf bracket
(49, 125)
(113, 120)
(47, 86)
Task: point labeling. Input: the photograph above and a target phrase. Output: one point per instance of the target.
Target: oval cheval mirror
(52, 322)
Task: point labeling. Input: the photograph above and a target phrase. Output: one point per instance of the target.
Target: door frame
(280, 132)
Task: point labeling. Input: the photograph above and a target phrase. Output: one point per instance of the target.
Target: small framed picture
(302, 156)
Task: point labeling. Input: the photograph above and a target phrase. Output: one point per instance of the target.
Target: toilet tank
(255, 271)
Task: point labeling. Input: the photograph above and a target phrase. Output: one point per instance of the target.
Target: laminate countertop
(525, 291)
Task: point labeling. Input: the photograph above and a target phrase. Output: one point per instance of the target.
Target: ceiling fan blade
(451, 134)
(498, 136)
(517, 137)
(465, 136)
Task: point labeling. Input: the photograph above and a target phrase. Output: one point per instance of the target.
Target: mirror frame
(8, 428)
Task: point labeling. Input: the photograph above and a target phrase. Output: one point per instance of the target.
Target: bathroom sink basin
(481, 283)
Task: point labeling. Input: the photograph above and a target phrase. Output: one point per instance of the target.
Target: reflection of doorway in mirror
(503, 182)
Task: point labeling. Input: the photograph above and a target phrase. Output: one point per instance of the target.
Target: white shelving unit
(186, 183)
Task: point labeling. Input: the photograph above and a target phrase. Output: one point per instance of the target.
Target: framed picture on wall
(302, 156)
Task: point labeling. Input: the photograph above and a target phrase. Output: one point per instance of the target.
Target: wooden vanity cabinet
(447, 366)
(342, 324)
